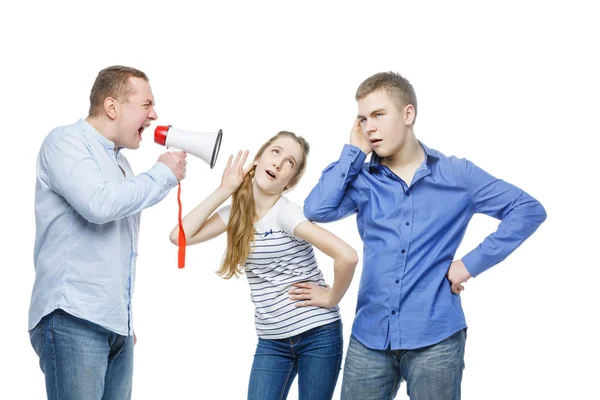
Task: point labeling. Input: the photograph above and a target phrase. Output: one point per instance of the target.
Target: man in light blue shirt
(413, 205)
(87, 206)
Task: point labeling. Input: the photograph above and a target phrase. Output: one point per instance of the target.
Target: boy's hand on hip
(457, 275)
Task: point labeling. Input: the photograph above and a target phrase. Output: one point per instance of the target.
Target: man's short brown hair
(112, 82)
(399, 89)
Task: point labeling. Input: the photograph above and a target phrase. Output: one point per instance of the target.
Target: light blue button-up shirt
(411, 234)
(87, 223)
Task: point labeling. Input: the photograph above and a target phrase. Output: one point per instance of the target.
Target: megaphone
(204, 145)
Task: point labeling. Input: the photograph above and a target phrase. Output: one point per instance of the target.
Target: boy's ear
(409, 114)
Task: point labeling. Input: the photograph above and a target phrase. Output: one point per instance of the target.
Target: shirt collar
(91, 131)
(430, 155)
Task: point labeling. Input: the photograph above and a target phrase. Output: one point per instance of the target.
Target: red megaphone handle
(182, 240)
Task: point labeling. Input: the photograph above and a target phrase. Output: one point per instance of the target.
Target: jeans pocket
(326, 340)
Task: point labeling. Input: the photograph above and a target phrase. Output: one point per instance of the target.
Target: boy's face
(383, 124)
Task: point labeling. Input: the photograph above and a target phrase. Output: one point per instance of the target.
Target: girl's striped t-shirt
(278, 260)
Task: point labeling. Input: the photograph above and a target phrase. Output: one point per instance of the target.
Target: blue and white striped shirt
(278, 260)
(87, 223)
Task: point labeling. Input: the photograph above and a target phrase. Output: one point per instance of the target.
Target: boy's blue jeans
(82, 360)
(315, 356)
(431, 373)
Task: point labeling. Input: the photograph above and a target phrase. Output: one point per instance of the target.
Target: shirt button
(353, 151)
(393, 312)
(343, 174)
(397, 280)
(408, 223)
(408, 194)
(403, 251)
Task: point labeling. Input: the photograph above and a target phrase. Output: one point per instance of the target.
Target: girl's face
(278, 165)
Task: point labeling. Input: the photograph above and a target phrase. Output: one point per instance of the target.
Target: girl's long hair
(240, 228)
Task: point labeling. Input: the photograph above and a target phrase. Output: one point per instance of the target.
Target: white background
(512, 86)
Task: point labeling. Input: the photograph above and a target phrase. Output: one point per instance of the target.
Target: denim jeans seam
(395, 385)
(36, 338)
(282, 397)
(42, 330)
(52, 350)
(462, 346)
(49, 333)
(458, 376)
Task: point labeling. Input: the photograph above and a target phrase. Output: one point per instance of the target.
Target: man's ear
(111, 107)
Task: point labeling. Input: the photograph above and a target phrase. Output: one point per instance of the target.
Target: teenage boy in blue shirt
(413, 206)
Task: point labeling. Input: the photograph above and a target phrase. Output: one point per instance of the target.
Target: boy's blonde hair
(399, 89)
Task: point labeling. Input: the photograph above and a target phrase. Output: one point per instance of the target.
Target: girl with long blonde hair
(269, 238)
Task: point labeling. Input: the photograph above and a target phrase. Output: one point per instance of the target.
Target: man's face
(383, 124)
(135, 114)
(278, 165)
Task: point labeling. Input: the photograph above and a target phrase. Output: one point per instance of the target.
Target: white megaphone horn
(204, 145)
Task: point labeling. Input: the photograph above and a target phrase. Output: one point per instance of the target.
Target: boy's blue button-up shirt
(410, 235)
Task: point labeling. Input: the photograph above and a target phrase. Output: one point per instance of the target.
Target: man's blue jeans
(431, 373)
(315, 356)
(82, 360)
